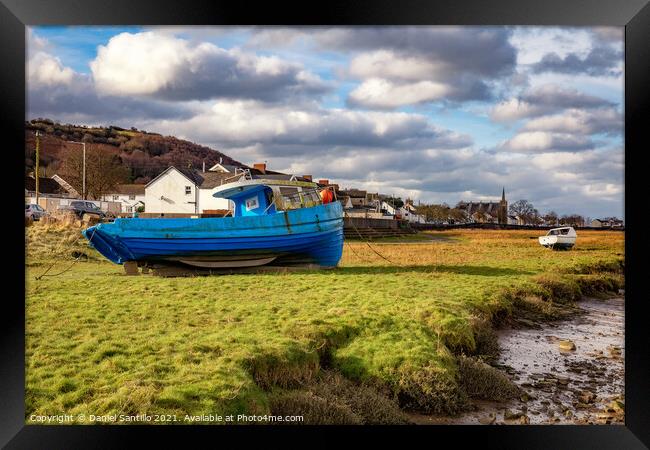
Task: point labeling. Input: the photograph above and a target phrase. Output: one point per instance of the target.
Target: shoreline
(580, 386)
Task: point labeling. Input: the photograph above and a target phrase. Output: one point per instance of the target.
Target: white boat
(559, 238)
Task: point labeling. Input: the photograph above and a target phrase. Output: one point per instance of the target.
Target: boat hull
(302, 236)
(559, 242)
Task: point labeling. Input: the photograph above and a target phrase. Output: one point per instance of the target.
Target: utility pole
(84, 171)
(38, 156)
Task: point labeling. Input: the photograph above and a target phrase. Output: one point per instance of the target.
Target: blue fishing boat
(271, 222)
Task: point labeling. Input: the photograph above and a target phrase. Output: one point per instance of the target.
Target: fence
(363, 222)
(51, 204)
(496, 226)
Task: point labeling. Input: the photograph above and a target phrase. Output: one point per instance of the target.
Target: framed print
(376, 218)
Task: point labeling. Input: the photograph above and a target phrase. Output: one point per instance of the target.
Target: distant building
(409, 212)
(486, 212)
(47, 187)
(55, 192)
(357, 197)
(130, 196)
(613, 222)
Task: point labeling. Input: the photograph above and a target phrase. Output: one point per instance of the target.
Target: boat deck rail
(241, 174)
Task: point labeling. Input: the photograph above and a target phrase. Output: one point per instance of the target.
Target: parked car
(34, 211)
(81, 207)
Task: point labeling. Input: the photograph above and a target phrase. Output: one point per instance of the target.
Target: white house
(131, 196)
(190, 191)
(185, 191)
(408, 212)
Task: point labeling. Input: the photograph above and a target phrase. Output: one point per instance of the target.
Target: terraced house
(486, 212)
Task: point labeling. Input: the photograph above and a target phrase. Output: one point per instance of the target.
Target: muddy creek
(570, 372)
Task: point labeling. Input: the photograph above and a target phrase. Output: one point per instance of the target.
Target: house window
(188, 190)
(116, 197)
(131, 197)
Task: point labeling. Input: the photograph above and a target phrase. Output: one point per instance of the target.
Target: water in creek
(571, 372)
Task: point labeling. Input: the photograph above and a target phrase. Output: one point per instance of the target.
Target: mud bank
(570, 372)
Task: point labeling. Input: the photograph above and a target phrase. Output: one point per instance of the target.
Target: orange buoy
(326, 196)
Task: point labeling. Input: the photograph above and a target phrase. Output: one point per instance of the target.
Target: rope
(45, 274)
(368, 244)
(356, 254)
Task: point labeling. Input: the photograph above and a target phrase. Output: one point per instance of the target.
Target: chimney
(325, 182)
(220, 159)
(307, 177)
(204, 166)
(260, 166)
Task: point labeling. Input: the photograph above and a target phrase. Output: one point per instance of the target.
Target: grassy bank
(99, 342)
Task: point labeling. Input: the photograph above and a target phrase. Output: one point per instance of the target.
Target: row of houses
(612, 222)
(189, 191)
(174, 191)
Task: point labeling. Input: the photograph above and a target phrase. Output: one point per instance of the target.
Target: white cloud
(544, 99)
(242, 123)
(391, 65)
(514, 109)
(579, 121)
(543, 141)
(380, 93)
(164, 66)
(602, 190)
(141, 63)
(46, 70)
(532, 43)
(561, 160)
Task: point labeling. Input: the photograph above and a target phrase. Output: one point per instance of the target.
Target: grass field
(334, 345)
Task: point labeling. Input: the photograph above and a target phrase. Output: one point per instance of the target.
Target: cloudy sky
(438, 114)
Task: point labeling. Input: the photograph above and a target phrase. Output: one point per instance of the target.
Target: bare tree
(524, 209)
(551, 218)
(574, 220)
(104, 169)
(440, 213)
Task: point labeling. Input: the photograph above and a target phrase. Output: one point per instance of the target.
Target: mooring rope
(368, 243)
(356, 254)
(45, 274)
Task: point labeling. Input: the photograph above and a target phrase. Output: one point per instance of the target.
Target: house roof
(212, 179)
(484, 207)
(218, 167)
(209, 180)
(129, 189)
(169, 169)
(45, 185)
(354, 193)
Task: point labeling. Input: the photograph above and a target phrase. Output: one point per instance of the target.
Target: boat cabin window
(296, 197)
(265, 199)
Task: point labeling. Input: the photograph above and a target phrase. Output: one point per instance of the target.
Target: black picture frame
(633, 14)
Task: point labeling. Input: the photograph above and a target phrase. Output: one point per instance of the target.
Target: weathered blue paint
(315, 234)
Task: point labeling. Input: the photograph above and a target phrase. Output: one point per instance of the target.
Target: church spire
(503, 194)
